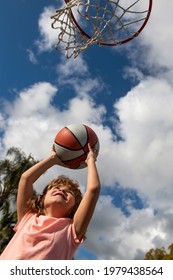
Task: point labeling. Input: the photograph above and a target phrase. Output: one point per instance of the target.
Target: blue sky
(124, 93)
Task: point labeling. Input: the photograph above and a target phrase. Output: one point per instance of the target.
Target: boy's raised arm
(86, 208)
(25, 187)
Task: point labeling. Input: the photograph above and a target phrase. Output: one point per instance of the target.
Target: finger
(53, 147)
(89, 147)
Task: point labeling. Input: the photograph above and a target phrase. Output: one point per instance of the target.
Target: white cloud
(48, 36)
(34, 99)
(77, 75)
(29, 119)
(114, 236)
(32, 57)
(2, 122)
(68, 68)
(158, 35)
(143, 159)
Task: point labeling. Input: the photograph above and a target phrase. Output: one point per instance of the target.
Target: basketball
(71, 144)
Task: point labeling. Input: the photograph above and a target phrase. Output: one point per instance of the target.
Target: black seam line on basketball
(88, 138)
(85, 152)
(77, 139)
(65, 147)
(74, 158)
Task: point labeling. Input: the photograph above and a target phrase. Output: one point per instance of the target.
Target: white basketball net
(81, 23)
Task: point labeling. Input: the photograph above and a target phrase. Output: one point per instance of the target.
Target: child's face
(59, 201)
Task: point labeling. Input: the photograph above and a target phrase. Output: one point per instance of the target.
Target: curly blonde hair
(36, 205)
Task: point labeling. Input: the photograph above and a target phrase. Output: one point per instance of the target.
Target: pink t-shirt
(42, 238)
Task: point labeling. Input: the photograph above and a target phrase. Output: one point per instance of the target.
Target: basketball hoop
(81, 23)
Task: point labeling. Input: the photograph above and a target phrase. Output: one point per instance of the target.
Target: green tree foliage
(160, 254)
(11, 169)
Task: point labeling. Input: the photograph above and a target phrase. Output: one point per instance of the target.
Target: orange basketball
(71, 144)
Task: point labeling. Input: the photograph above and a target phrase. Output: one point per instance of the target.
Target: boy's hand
(93, 153)
(58, 161)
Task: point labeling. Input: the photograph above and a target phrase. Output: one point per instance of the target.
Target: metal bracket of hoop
(81, 23)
